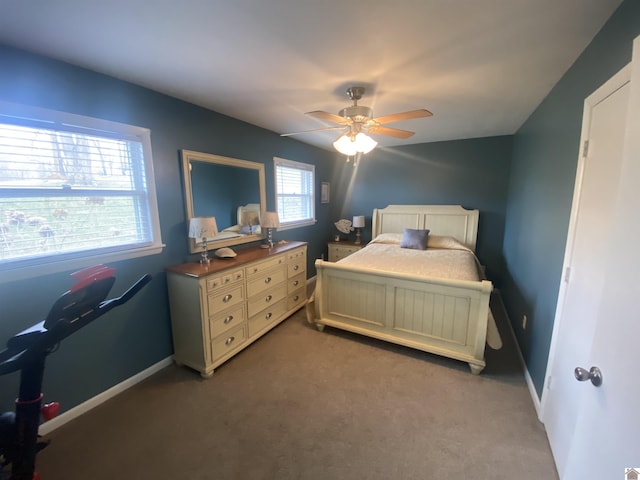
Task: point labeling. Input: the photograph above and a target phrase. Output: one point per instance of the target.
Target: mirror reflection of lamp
(203, 228)
(270, 220)
(358, 223)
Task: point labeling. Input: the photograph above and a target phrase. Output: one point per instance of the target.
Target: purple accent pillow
(416, 239)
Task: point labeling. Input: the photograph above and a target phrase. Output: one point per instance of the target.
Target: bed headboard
(249, 214)
(450, 220)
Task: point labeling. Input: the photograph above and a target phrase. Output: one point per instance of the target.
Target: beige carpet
(303, 404)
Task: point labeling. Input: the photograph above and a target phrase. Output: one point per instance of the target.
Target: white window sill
(49, 267)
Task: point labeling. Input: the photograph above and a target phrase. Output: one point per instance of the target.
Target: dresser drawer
(265, 299)
(338, 252)
(224, 279)
(295, 299)
(296, 282)
(228, 342)
(261, 267)
(225, 298)
(271, 278)
(297, 267)
(262, 320)
(297, 254)
(222, 322)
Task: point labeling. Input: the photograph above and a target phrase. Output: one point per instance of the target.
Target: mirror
(229, 189)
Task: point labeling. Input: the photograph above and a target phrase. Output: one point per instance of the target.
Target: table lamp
(203, 228)
(270, 220)
(358, 223)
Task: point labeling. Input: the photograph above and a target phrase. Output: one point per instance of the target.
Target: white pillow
(392, 238)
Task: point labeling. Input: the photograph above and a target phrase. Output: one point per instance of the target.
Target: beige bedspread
(445, 258)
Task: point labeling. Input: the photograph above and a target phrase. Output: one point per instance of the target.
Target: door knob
(594, 374)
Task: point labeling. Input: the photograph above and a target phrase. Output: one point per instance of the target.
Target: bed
(403, 299)
(248, 223)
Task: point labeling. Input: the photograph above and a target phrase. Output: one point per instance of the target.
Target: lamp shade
(349, 144)
(203, 227)
(358, 221)
(269, 220)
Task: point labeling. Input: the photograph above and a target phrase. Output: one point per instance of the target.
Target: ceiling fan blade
(313, 131)
(390, 132)
(396, 117)
(329, 117)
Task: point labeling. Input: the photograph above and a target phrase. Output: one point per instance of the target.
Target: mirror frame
(187, 157)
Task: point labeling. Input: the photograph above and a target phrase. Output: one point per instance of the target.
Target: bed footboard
(444, 317)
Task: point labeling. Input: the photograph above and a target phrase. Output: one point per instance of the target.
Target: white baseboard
(84, 407)
(532, 391)
(527, 375)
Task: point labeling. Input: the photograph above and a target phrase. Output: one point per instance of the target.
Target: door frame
(616, 82)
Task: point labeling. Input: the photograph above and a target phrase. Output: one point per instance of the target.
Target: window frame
(307, 167)
(36, 117)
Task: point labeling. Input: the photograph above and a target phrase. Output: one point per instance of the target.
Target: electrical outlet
(524, 322)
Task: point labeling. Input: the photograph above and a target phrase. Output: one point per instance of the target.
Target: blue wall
(473, 173)
(541, 188)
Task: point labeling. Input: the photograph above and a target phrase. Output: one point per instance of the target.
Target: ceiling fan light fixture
(364, 143)
(345, 145)
(349, 144)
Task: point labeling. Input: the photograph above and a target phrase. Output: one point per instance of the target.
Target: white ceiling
(481, 66)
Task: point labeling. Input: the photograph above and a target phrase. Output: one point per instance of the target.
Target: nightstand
(340, 250)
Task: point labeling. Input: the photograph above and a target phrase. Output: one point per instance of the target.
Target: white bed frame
(445, 317)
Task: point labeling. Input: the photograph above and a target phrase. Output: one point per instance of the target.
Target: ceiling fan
(357, 121)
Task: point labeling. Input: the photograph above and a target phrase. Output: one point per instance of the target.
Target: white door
(593, 431)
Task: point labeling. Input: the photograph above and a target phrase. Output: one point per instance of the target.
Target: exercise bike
(27, 351)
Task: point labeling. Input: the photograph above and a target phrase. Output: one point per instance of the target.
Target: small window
(73, 191)
(295, 195)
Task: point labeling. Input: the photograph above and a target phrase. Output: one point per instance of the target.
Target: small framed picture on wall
(325, 192)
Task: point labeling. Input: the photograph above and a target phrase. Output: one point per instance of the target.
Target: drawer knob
(227, 298)
(296, 267)
(267, 280)
(255, 270)
(268, 315)
(228, 319)
(229, 340)
(268, 298)
(295, 299)
(295, 284)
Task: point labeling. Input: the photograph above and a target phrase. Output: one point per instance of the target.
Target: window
(74, 191)
(295, 195)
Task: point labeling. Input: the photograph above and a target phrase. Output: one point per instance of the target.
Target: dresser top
(244, 256)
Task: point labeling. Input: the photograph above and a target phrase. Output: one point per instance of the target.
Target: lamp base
(204, 256)
(357, 242)
(270, 237)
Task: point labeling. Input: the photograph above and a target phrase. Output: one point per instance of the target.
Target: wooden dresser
(221, 308)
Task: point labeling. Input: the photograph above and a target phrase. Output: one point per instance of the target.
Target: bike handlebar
(126, 296)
